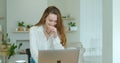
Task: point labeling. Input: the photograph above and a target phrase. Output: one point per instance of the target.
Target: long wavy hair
(59, 25)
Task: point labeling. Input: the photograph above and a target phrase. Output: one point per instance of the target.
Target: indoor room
(90, 25)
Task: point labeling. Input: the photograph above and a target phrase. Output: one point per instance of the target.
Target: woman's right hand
(52, 30)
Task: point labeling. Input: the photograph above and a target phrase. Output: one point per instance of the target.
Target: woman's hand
(52, 30)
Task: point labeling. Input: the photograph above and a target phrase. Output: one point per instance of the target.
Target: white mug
(20, 61)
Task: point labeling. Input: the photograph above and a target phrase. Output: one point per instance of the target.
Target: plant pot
(27, 29)
(73, 28)
(21, 29)
(4, 49)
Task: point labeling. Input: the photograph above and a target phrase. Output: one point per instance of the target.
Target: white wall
(73, 9)
(3, 15)
(107, 31)
(91, 24)
(116, 31)
(59, 4)
(29, 11)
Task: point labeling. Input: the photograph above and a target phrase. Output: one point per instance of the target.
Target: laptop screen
(59, 56)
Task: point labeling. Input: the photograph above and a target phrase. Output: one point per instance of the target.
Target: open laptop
(59, 56)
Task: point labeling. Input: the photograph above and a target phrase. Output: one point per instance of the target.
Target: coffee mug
(20, 61)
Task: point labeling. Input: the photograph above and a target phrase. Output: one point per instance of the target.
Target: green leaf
(12, 49)
(19, 45)
(72, 24)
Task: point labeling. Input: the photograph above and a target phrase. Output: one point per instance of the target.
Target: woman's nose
(53, 23)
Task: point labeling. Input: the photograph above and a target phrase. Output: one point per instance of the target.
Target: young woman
(48, 33)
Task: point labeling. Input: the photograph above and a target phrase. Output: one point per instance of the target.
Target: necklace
(47, 32)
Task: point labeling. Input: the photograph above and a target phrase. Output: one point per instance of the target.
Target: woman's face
(51, 20)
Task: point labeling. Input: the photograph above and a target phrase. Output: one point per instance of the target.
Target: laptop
(59, 56)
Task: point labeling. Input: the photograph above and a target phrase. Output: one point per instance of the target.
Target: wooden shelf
(70, 31)
(68, 18)
(21, 32)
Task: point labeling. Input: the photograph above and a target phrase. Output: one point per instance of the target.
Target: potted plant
(4, 46)
(72, 26)
(28, 27)
(21, 26)
(8, 49)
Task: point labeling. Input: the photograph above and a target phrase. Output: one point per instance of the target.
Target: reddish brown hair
(59, 26)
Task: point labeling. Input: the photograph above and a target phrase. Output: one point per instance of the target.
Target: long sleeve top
(39, 41)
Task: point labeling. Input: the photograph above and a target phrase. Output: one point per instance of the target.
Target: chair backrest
(29, 54)
(74, 44)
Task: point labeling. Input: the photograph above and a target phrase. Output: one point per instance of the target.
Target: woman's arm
(57, 44)
(33, 44)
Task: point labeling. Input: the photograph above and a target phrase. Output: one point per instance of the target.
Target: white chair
(77, 45)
